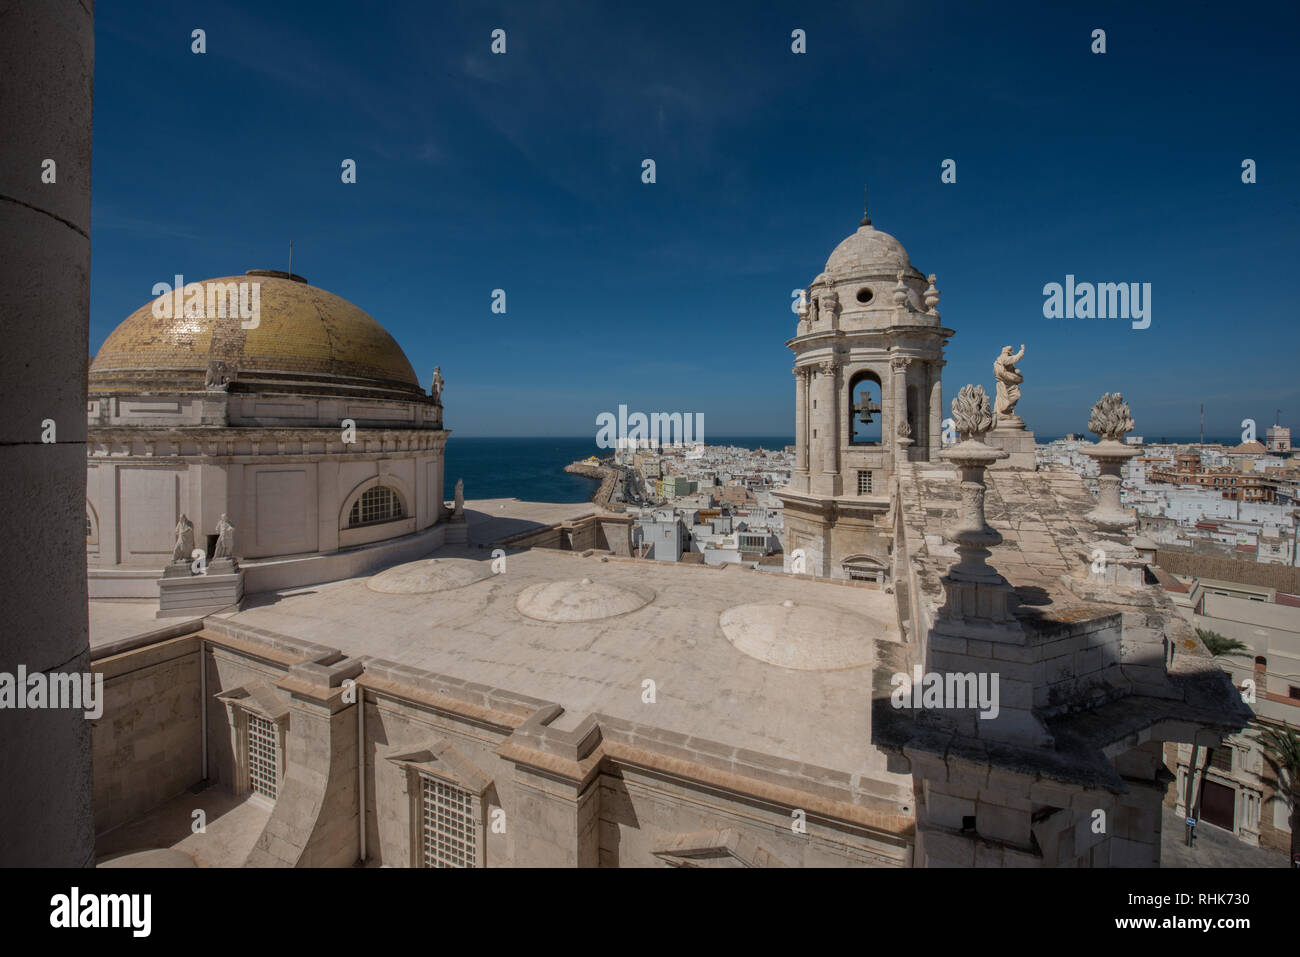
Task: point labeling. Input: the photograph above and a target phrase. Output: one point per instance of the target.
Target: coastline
(609, 480)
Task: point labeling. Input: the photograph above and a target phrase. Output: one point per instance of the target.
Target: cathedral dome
(305, 340)
(869, 250)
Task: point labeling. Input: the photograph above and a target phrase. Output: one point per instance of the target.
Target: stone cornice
(167, 443)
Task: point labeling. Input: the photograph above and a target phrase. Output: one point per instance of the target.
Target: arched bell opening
(865, 409)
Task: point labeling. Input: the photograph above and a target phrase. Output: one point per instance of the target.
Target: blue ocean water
(532, 468)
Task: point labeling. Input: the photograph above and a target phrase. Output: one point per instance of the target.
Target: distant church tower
(868, 360)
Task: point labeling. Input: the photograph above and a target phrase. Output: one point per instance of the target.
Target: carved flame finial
(970, 412)
(1110, 418)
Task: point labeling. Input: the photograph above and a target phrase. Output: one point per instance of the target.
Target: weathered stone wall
(228, 669)
(604, 792)
(641, 813)
(148, 745)
(573, 536)
(395, 726)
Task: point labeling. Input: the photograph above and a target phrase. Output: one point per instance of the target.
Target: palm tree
(1216, 644)
(1281, 747)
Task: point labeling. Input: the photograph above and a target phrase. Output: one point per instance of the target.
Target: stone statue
(184, 540)
(225, 539)
(219, 376)
(1008, 383)
(435, 390)
(460, 498)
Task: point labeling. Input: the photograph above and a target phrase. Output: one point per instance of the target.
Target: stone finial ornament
(804, 308)
(184, 540)
(974, 588)
(900, 290)
(970, 412)
(225, 539)
(1110, 419)
(932, 296)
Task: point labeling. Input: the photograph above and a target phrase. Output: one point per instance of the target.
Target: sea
(532, 468)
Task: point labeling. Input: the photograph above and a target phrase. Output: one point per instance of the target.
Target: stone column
(832, 463)
(824, 418)
(800, 477)
(898, 408)
(936, 409)
(813, 426)
(47, 48)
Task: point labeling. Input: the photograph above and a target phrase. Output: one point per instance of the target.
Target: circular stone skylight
(429, 575)
(580, 600)
(802, 637)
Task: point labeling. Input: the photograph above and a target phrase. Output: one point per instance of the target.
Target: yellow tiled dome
(306, 339)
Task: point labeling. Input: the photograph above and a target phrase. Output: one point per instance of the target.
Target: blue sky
(523, 172)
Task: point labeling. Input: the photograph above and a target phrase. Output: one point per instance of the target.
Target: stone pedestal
(1012, 437)
(457, 530)
(1108, 564)
(1112, 521)
(973, 589)
(194, 595)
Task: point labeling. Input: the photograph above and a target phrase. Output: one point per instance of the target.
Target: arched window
(865, 409)
(865, 568)
(377, 504)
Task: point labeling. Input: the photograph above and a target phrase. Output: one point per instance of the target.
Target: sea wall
(608, 477)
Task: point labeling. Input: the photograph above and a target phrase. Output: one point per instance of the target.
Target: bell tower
(868, 360)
